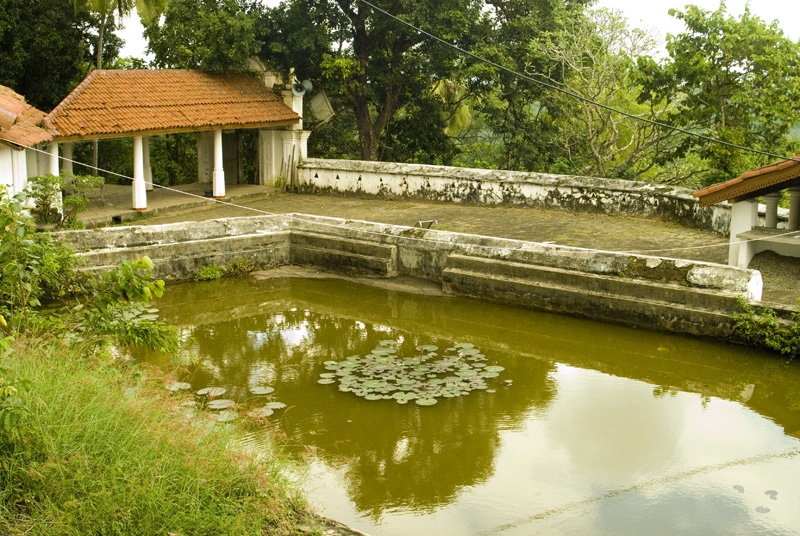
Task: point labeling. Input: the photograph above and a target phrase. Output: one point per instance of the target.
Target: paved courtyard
(595, 231)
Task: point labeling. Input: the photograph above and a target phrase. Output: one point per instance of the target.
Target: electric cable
(576, 95)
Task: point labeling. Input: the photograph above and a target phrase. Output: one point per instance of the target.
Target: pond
(583, 428)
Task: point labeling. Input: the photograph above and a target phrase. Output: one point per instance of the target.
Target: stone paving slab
(594, 231)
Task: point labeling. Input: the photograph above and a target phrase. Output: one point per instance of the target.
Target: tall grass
(105, 451)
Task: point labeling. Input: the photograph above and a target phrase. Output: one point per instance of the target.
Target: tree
(375, 63)
(594, 56)
(522, 114)
(104, 11)
(213, 35)
(737, 80)
(45, 47)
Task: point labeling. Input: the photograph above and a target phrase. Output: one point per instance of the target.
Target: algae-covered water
(588, 428)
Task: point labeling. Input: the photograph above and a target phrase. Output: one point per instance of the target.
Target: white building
(21, 130)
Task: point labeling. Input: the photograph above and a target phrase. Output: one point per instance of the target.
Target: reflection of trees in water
(397, 455)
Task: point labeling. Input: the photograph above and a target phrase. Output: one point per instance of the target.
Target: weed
(209, 272)
(766, 330)
(240, 266)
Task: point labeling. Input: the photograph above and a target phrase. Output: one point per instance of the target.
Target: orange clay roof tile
(750, 182)
(111, 103)
(22, 123)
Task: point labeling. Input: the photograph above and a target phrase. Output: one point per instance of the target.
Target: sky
(647, 14)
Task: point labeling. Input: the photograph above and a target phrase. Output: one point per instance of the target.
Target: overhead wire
(514, 73)
(577, 95)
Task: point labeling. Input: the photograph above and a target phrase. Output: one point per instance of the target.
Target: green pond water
(589, 429)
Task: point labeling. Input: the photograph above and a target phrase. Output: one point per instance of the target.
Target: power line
(576, 95)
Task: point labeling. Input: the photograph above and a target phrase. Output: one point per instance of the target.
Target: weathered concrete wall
(667, 294)
(491, 187)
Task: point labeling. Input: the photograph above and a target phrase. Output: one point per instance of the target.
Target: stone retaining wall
(491, 187)
(666, 294)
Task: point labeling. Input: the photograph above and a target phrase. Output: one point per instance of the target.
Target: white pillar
(744, 216)
(148, 171)
(53, 167)
(139, 188)
(794, 209)
(771, 216)
(218, 175)
(66, 150)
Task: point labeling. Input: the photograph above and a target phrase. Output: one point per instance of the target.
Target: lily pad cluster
(424, 377)
(224, 406)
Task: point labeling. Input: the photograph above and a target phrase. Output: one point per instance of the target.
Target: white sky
(647, 14)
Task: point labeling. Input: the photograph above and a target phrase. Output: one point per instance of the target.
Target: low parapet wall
(666, 294)
(491, 187)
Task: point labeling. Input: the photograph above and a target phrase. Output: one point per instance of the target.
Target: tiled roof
(111, 103)
(20, 123)
(753, 183)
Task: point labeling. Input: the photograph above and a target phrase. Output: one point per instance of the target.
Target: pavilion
(143, 103)
(747, 238)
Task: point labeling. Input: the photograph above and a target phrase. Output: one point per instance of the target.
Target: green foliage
(213, 35)
(733, 79)
(766, 330)
(240, 266)
(45, 46)
(35, 269)
(116, 306)
(106, 451)
(12, 408)
(46, 191)
(209, 272)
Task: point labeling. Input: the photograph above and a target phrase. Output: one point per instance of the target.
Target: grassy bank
(105, 450)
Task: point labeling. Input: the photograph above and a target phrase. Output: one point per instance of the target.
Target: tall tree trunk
(99, 65)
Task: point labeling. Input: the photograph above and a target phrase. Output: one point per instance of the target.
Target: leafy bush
(240, 266)
(767, 330)
(46, 193)
(209, 272)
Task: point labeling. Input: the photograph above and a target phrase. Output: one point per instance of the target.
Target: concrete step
(587, 300)
(668, 293)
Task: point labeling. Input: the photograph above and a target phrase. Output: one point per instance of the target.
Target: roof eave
(176, 130)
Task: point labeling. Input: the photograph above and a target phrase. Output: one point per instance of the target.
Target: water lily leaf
(212, 391)
(328, 375)
(494, 368)
(487, 374)
(261, 390)
(261, 413)
(178, 386)
(463, 345)
(468, 351)
(427, 348)
(465, 373)
(275, 405)
(221, 404)
(426, 401)
(373, 396)
(326, 381)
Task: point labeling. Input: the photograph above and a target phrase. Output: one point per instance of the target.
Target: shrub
(209, 272)
(240, 266)
(767, 330)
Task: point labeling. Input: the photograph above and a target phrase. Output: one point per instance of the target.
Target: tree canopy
(735, 79)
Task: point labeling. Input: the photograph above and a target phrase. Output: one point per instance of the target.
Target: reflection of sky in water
(608, 457)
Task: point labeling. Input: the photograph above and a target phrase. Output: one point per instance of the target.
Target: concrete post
(218, 175)
(138, 186)
(771, 201)
(148, 171)
(66, 151)
(53, 162)
(794, 209)
(744, 216)
(53, 169)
